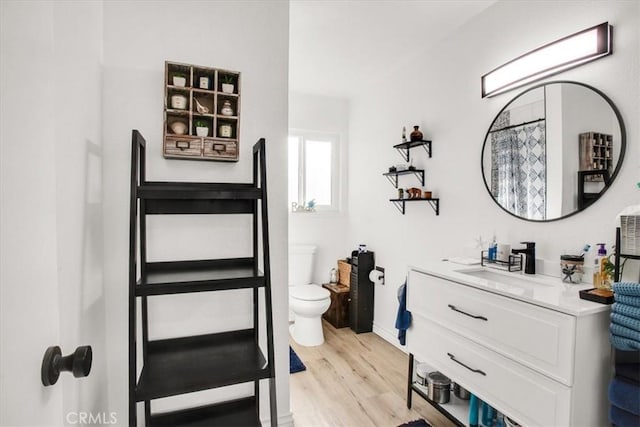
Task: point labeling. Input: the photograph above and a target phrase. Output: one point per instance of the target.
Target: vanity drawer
(540, 338)
(523, 394)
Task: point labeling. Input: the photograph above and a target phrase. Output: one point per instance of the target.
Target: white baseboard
(285, 420)
(390, 336)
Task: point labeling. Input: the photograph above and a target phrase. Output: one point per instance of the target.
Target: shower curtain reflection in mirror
(518, 167)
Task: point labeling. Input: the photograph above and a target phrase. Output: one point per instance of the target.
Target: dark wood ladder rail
(193, 363)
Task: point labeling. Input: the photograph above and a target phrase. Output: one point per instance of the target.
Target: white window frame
(334, 139)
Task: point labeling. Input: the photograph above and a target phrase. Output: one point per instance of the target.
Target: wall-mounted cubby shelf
(405, 148)
(400, 203)
(596, 153)
(201, 113)
(393, 176)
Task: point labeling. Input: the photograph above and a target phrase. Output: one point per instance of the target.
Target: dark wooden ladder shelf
(189, 364)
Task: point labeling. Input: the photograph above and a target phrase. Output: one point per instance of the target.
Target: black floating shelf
(393, 176)
(184, 365)
(176, 277)
(400, 204)
(405, 147)
(240, 412)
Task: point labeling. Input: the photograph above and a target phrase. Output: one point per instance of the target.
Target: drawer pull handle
(477, 371)
(183, 145)
(453, 307)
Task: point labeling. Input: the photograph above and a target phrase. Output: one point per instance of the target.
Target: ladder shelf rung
(239, 412)
(188, 364)
(173, 277)
(197, 190)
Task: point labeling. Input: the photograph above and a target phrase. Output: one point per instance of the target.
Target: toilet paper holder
(377, 276)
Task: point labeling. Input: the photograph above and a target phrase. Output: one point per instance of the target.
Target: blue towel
(487, 415)
(628, 371)
(623, 331)
(627, 299)
(403, 318)
(626, 321)
(474, 406)
(622, 343)
(621, 418)
(625, 395)
(626, 310)
(627, 288)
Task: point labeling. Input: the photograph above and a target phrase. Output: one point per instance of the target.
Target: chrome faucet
(530, 253)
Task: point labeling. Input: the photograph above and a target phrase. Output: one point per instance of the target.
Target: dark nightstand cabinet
(338, 312)
(361, 293)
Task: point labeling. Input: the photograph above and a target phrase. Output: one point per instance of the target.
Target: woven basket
(344, 273)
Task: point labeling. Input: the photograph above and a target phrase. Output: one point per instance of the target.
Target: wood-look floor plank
(355, 380)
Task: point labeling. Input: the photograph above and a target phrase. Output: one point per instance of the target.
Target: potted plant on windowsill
(228, 83)
(179, 79)
(202, 127)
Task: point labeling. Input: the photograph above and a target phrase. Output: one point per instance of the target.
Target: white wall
(138, 38)
(439, 90)
(326, 230)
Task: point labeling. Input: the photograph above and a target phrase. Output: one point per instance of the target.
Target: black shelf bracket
(400, 204)
(405, 148)
(435, 204)
(393, 176)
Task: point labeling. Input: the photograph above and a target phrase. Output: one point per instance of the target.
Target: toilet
(307, 300)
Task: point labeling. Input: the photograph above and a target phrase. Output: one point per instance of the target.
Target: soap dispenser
(493, 249)
(599, 279)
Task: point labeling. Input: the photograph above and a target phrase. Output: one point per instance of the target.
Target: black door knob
(79, 363)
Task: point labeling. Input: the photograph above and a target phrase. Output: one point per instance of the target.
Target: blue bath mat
(295, 364)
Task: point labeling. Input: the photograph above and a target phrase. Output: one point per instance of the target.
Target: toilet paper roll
(376, 277)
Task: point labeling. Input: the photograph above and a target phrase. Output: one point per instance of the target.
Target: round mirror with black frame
(553, 150)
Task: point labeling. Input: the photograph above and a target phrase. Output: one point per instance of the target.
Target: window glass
(293, 172)
(318, 172)
(313, 171)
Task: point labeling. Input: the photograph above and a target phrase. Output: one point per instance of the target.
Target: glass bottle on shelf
(416, 135)
(226, 110)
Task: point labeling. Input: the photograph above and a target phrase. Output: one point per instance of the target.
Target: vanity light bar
(557, 56)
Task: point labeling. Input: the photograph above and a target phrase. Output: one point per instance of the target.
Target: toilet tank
(300, 264)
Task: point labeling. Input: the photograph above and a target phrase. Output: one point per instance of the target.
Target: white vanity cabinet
(541, 359)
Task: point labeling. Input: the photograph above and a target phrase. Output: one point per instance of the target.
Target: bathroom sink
(508, 279)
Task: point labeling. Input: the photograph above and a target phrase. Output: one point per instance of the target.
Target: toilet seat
(309, 293)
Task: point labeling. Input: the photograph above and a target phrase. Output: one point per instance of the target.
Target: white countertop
(545, 291)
